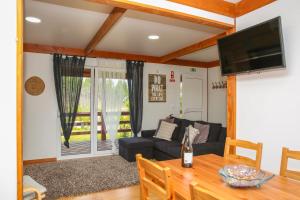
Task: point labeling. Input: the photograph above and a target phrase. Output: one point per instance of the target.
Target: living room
(182, 80)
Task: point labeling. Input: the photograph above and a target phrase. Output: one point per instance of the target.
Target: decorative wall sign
(157, 87)
(34, 86)
(172, 76)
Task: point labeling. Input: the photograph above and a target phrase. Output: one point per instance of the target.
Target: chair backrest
(286, 154)
(154, 179)
(247, 145)
(198, 193)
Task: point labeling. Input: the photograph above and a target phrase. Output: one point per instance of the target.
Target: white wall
(268, 104)
(154, 111)
(217, 98)
(40, 112)
(8, 147)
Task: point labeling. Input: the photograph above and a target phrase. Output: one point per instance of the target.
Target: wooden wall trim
(110, 21)
(193, 48)
(231, 102)
(36, 161)
(216, 6)
(36, 48)
(245, 6)
(19, 105)
(231, 107)
(130, 5)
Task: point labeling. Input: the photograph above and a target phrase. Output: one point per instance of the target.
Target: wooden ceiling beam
(214, 63)
(216, 6)
(193, 48)
(245, 6)
(47, 49)
(111, 20)
(130, 5)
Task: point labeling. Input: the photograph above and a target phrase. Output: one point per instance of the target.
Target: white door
(192, 97)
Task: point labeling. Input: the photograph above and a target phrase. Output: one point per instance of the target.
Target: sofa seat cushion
(214, 131)
(171, 148)
(129, 147)
(136, 142)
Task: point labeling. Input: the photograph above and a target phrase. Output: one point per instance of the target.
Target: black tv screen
(256, 48)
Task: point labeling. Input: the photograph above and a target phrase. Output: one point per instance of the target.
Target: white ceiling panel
(130, 35)
(73, 23)
(205, 55)
(61, 26)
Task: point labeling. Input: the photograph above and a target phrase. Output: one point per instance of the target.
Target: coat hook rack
(219, 85)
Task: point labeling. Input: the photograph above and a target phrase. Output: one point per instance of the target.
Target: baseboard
(44, 160)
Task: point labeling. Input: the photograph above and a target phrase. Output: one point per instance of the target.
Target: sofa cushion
(203, 133)
(136, 142)
(168, 119)
(192, 132)
(184, 124)
(171, 148)
(176, 132)
(165, 130)
(222, 137)
(214, 131)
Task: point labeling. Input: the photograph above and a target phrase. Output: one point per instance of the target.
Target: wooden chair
(247, 145)
(154, 179)
(198, 193)
(32, 190)
(286, 154)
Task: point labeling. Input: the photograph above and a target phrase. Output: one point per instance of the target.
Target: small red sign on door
(172, 77)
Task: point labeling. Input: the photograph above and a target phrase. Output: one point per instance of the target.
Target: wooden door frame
(231, 101)
(19, 114)
(231, 107)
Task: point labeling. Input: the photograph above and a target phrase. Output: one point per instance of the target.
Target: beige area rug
(83, 176)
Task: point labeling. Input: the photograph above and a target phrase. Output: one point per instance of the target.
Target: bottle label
(188, 158)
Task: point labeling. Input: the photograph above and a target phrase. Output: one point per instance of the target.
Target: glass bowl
(244, 176)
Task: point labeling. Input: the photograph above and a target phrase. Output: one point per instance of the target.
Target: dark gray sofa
(166, 150)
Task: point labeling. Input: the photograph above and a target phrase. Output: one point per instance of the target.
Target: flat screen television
(259, 47)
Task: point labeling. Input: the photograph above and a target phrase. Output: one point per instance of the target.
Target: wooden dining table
(205, 172)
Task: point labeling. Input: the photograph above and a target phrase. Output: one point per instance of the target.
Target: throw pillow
(192, 134)
(203, 133)
(184, 124)
(165, 130)
(167, 119)
(214, 131)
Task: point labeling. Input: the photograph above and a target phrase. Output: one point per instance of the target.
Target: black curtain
(68, 73)
(135, 88)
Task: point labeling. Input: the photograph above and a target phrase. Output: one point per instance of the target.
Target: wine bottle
(187, 151)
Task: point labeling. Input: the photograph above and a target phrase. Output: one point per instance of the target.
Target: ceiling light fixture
(153, 37)
(33, 20)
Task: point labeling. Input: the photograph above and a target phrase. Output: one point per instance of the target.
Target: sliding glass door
(103, 115)
(112, 106)
(80, 140)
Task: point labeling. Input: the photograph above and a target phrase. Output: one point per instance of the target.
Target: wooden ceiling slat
(216, 6)
(193, 48)
(111, 20)
(130, 5)
(246, 6)
(47, 49)
(213, 64)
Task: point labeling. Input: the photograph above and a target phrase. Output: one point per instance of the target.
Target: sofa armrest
(148, 133)
(208, 148)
